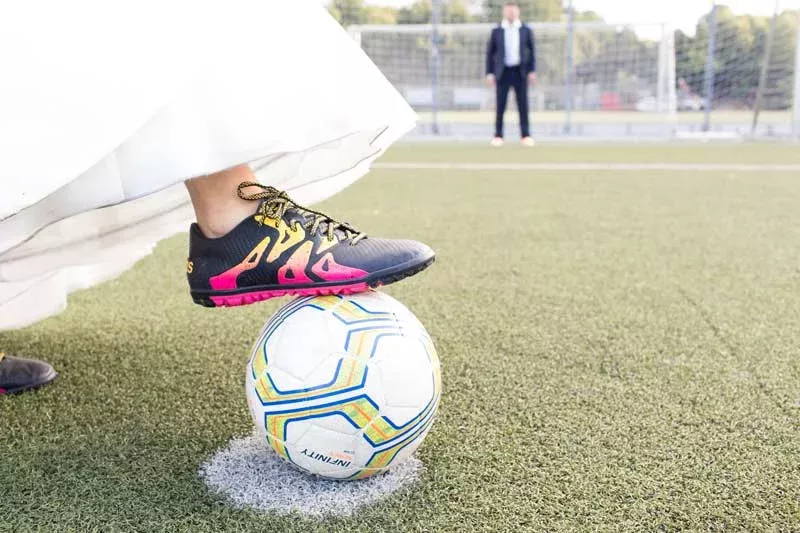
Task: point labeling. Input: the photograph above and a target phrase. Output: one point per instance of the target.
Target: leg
(502, 87)
(521, 94)
(217, 206)
(252, 242)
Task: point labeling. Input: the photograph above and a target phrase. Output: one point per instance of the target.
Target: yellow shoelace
(277, 202)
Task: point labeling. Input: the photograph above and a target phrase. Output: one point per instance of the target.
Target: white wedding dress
(107, 107)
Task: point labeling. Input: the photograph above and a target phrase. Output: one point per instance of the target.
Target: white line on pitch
(678, 167)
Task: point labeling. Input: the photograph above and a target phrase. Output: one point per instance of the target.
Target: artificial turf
(620, 351)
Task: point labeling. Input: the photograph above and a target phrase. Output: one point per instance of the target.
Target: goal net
(619, 79)
(753, 62)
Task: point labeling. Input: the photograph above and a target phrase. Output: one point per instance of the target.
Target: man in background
(511, 62)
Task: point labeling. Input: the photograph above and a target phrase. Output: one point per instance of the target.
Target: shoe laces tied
(274, 206)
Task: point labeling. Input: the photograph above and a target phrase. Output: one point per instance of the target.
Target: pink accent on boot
(228, 280)
(328, 269)
(257, 296)
(294, 271)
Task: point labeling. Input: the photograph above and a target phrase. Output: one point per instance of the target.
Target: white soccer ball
(344, 387)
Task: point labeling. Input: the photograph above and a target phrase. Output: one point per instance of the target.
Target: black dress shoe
(18, 375)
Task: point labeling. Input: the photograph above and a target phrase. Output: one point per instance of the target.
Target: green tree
(420, 12)
(381, 15)
(417, 13)
(780, 79)
(738, 55)
(348, 12)
(587, 16)
(456, 12)
(532, 10)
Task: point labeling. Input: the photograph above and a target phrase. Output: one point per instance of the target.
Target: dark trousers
(512, 77)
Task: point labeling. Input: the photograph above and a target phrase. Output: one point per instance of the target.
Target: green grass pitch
(620, 352)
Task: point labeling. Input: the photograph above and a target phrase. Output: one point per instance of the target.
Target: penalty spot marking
(677, 167)
(250, 475)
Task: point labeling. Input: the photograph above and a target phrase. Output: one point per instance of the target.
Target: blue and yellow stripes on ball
(260, 361)
(350, 373)
(358, 411)
(382, 459)
(363, 414)
(348, 311)
(383, 431)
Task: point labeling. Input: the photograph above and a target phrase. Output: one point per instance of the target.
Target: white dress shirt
(511, 32)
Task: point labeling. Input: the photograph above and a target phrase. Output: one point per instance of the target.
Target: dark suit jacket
(496, 51)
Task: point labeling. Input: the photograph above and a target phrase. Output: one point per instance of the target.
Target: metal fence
(734, 77)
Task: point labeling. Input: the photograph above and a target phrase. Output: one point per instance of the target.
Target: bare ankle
(220, 224)
(217, 205)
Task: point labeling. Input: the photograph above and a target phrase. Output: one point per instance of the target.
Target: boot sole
(265, 292)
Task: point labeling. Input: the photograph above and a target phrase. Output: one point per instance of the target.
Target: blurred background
(607, 69)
